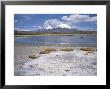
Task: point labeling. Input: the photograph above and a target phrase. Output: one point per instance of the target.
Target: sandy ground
(58, 63)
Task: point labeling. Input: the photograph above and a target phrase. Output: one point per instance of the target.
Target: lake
(76, 40)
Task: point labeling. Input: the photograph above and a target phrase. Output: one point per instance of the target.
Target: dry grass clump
(86, 49)
(33, 56)
(47, 50)
(44, 52)
(67, 49)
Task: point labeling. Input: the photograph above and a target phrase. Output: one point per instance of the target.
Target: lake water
(76, 40)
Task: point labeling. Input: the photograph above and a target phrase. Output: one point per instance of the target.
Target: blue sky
(49, 21)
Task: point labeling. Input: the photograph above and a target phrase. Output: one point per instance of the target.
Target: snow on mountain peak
(63, 26)
(48, 27)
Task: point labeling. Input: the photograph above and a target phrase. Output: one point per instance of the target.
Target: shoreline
(61, 45)
(52, 35)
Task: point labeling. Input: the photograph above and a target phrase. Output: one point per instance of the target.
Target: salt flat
(58, 63)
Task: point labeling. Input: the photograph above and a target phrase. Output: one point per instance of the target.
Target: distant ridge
(53, 31)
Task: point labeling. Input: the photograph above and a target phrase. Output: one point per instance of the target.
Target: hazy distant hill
(54, 31)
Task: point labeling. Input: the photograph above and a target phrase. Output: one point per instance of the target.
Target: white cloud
(69, 22)
(55, 23)
(27, 17)
(26, 30)
(76, 18)
(93, 19)
(63, 26)
(15, 20)
(75, 27)
(16, 28)
(36, 26)
(84, 28)
(87, 29)
(22, 29)
(52, 22)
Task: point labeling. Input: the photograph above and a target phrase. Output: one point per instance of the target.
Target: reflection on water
(56, 40)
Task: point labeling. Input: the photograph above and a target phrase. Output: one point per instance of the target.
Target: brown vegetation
(47, 50)
(67, 49)
(33, 56)
(86, 49)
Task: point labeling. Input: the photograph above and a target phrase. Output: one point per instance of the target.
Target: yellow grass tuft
(47, 50)
(86, 49)
(44, 52)
(67, 49)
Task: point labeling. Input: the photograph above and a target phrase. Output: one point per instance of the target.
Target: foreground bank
(62, 61)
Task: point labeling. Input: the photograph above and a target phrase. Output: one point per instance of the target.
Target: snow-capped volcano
(48, 27)
(62, 26)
